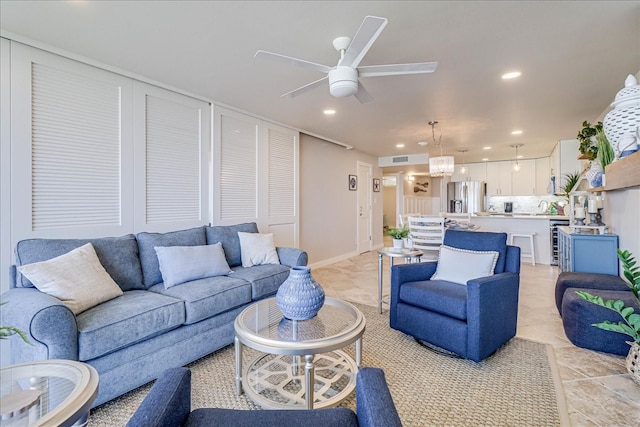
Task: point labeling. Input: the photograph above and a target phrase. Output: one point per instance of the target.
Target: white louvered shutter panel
(173, 161)
(282, 177)
(75, 150)
(238, 171)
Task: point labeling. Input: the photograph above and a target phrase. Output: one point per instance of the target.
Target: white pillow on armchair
(461, 265)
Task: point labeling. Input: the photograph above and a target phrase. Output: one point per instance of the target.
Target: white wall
(622, 214)
(328, 210)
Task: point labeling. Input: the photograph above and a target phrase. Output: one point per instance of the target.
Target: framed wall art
(353, 182)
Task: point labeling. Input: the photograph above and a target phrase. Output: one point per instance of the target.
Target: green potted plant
(570, 181)
(606, 155)
(630, 324)
(586, 136)
(398, 235)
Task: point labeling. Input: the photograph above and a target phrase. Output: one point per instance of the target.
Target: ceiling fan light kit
(343, 78)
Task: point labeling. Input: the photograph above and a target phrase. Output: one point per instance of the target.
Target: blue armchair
(168, 404)
(471, 320)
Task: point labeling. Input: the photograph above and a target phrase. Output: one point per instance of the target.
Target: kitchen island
(522, 223)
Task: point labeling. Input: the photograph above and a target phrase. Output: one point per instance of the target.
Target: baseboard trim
(325, 262)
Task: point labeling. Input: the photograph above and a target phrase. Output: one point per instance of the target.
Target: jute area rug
(516, 386)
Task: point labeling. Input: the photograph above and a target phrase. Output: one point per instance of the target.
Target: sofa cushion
(479, 241)
(135, 316)
(265, 279)
(436, 295)
(180, 264)
(118, 256)
(76, 278)
(148, 241)
(257, 249)
(461, 265)
(228, 236)
(204, 298)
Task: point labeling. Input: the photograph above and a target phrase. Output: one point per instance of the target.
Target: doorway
(364, 207)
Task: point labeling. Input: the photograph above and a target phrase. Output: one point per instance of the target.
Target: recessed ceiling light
(399, 145)
(519, 156)
(486, 148)
(329, 112)
(511, 75)
(485, 159)
(516, 132)
(423, 143)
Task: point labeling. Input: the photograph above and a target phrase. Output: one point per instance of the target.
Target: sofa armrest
(48, 323)
(168, 402)
(292, 257)
(374, 404)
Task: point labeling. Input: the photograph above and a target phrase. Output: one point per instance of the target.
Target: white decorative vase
(621, 123)
(633, 362)
(397, 243)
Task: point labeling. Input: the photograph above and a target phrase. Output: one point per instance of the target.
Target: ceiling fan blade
(305, 88)
(396, 69)
(363, 95)
(368, 32)
(276, 57)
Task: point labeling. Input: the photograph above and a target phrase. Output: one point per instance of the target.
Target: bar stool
(529, 236)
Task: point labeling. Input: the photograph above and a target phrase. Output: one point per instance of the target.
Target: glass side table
(47, 393)
(303, 367)
(406, 253)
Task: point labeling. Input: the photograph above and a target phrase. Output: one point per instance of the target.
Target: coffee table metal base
(277, 381)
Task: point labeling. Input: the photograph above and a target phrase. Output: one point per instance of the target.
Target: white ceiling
(574, 56)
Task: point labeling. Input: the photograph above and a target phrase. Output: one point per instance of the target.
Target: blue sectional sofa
(131, 339)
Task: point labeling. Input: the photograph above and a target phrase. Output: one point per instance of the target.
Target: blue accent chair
(472, 321)
(168, 404)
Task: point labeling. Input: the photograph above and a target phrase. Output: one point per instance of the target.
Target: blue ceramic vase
(300, 296)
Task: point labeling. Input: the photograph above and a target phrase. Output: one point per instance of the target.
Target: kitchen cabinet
(543, 176)
(587, 253)
(523, 181)
(499, 178)
(564, 160)
(473, 172)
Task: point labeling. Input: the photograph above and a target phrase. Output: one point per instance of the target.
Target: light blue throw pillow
(180, 264)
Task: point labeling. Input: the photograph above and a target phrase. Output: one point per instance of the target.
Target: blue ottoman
(579, 315)
(588, 282)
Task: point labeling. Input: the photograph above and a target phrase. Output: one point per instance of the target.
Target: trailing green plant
(7, 331)
(631, 320)
(398, 233)
(570, 181)
(605, 150)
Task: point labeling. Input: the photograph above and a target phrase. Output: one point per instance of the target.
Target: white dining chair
(426, 233)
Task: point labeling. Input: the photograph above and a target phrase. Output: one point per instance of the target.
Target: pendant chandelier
(516, 167)
(442, 165)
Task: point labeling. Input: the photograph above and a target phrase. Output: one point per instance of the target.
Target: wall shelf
(624, 173)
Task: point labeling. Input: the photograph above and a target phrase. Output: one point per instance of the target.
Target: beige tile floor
(597, 389)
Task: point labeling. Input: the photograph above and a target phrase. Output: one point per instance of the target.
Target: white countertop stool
(532, 252)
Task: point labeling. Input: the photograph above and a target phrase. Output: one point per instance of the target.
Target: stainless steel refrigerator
(466, 197)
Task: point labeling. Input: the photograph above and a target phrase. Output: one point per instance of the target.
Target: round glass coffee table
(302, 366)
(47, 393)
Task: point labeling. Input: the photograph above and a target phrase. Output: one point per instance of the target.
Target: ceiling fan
(343, 78)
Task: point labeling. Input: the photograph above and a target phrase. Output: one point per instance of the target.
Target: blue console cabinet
(587, 253)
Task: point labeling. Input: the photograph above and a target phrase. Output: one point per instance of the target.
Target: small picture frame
(353, 182)
(376, 185)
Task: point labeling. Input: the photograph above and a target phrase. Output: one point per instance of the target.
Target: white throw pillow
(76, 278)
(461, 265)
(180, 264)
(257, 249)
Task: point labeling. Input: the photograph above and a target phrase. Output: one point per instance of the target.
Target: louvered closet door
(235, 168)
(71, 148)
(172, 140)
(282, 184)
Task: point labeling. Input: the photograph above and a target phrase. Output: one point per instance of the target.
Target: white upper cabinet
(543, 176)
(523, 181)
(499, 178)
(472, 172)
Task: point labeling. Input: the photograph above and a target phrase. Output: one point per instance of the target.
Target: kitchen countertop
(519, 216)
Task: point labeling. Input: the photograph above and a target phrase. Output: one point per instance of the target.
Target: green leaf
(626, 311)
